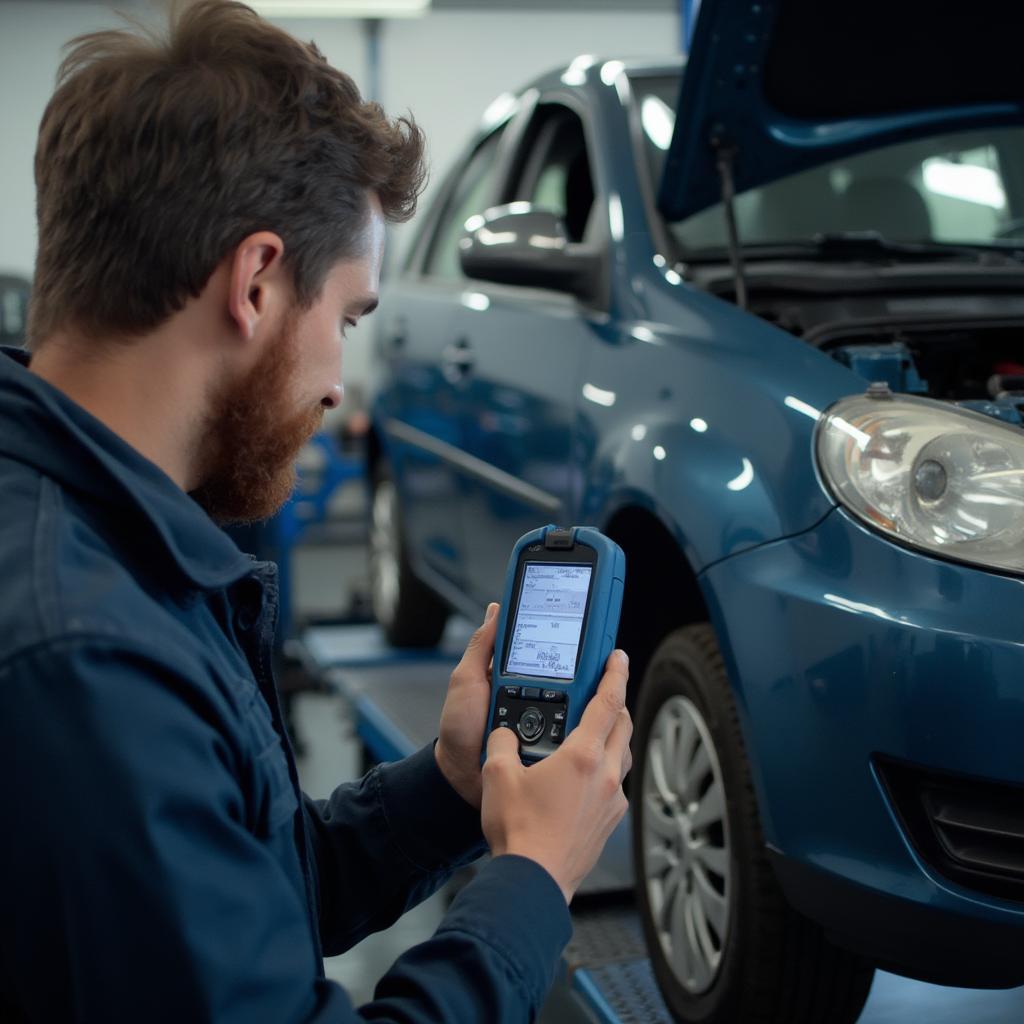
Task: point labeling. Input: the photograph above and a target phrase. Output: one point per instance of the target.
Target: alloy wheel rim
(686, 849)
(384, 569)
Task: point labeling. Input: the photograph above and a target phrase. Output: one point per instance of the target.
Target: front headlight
(933, 475)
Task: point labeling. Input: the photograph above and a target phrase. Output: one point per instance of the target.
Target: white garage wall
(32, 33)
(445, 68)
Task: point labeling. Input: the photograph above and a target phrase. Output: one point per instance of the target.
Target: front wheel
(725, 946)
(410, 613)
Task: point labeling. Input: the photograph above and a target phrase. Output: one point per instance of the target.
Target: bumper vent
(970, 830)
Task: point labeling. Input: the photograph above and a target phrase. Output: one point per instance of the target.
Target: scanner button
(559, 538)
(531, 693)
(531, 725)
(553, 695)
(556, 734)
(559, 715)
(511, 691)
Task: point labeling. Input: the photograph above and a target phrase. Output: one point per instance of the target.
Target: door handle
(457, 360)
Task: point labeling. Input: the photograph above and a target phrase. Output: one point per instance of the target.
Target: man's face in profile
(258, 425)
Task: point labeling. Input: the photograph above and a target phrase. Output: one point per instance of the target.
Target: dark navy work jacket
(158, 861)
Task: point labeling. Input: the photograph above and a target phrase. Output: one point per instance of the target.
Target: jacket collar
(43, 428)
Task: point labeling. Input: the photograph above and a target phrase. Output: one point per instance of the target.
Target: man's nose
(333, 397)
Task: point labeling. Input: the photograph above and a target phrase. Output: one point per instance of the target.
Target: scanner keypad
(537, 716)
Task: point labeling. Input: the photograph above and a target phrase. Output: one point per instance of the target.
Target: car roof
(584, 71)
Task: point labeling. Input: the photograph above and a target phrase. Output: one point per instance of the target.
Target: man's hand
(464, 716)
(560, 811)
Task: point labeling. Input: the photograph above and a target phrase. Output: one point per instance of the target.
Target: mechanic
(211, 211)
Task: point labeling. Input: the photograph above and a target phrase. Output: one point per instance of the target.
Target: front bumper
(847, 651)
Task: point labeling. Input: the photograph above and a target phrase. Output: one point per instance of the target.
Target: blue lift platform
(606, 976)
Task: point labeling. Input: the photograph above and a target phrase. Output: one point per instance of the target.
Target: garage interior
(352, 699)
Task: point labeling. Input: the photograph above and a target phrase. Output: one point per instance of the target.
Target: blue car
(760, 319)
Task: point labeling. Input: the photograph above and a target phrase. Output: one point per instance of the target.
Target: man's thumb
(502, 743)
(481, 643)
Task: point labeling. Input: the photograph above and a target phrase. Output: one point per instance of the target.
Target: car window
(947, 188)
(963, 190)
(470, 196)
(555, 172)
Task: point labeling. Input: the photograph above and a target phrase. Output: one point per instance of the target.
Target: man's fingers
(618, 743)
(502, 744)
(602, 712)
(480, 649)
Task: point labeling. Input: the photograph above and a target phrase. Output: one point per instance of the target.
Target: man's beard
(253, 438)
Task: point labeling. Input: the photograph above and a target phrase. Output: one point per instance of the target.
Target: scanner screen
(549, 620)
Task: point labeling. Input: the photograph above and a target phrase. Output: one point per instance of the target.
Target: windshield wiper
(866, 245)
(872, 244)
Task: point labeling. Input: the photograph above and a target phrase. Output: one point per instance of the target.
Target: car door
(521, 352)
(419, 411)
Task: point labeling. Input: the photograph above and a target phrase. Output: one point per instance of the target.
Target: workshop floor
(325, 574)
(332, 756)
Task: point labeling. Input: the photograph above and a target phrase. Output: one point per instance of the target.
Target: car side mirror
(521, 244)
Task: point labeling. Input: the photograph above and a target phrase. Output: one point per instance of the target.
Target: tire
(741, 954)
(411, 614)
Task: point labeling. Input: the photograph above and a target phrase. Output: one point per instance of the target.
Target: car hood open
(779, 86)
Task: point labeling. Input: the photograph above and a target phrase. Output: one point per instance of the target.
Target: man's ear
(258, 287)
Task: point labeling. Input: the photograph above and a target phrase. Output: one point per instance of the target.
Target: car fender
(712, 420)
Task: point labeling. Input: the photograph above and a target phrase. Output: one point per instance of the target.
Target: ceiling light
(973, 184)
(340, 8)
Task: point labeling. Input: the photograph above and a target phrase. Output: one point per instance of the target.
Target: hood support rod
(724, 156)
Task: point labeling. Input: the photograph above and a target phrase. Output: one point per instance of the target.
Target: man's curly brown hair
(158, 155)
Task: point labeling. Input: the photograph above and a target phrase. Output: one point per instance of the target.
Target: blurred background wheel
(411, 614)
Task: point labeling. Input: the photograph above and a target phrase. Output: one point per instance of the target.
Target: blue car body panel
(864, 649)
(425, 400)
(704, 423)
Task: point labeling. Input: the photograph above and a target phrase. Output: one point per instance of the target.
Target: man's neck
(143, 390)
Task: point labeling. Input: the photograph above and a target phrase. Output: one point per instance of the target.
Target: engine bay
(954, 333)
(979, 366)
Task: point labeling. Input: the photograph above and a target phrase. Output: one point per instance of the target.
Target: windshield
(966, 188)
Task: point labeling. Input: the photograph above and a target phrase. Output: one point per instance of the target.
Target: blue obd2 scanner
(559, 618)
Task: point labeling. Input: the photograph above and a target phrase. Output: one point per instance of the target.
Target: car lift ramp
(606, 976)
